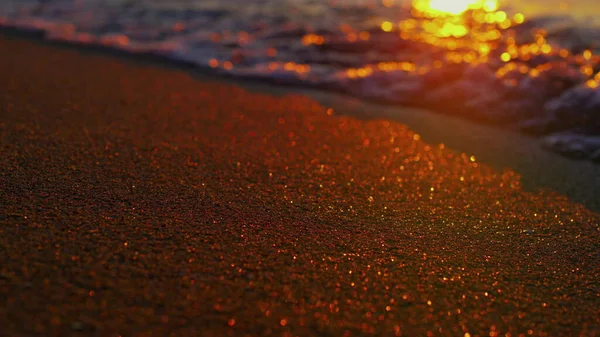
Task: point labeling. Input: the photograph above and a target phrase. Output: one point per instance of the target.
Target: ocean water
(530, 65)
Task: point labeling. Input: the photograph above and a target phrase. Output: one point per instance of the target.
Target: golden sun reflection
(440, 34)
(453, 7)
(467, 30)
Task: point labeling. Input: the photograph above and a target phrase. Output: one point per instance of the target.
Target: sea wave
(540, 74)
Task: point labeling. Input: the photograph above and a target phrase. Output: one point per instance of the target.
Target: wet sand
(140, 201)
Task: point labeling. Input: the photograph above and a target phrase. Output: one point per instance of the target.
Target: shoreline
(142, 200)
(522, 93)
(504, 148)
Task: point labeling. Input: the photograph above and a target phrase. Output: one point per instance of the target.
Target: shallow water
(538, 71)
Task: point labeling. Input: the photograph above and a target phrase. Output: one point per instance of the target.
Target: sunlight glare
(453, 7)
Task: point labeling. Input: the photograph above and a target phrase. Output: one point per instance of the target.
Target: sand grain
(139, 201)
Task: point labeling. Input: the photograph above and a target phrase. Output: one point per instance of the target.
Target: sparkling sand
(136, 200)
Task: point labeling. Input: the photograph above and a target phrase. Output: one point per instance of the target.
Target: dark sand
(139, 201)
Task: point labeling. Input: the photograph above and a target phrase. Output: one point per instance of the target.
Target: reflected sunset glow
(467, 31)
(425, 51)
(473, 32)
(455, 7)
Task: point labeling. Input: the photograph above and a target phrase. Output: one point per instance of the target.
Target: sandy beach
(141, 200)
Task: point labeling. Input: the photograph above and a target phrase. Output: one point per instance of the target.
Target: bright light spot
(484, 49)
(546, 49)
(386, 26)
(505, 57)
(459, 31)
(454, 7)
(587, 70)
(500, 16)
(534, 73)
(505, 24)
(490, 5)
(591, 84)
(519, 18)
